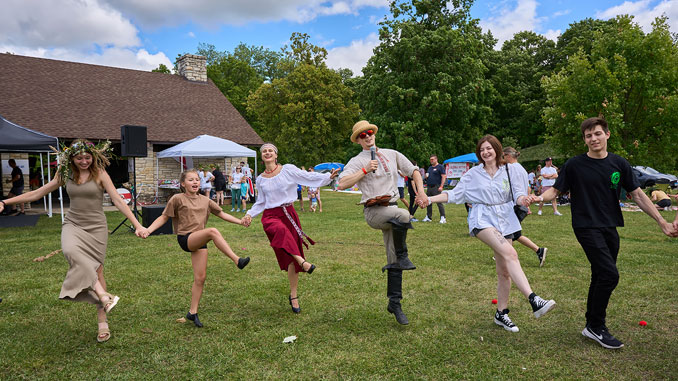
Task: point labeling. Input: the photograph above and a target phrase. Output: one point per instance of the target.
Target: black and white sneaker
(502, 319)
(541, 306)
(541, 254)
(603, 337)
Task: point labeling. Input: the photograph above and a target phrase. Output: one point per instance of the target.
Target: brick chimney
(192, 67)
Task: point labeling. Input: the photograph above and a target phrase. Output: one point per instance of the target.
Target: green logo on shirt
(614, 179)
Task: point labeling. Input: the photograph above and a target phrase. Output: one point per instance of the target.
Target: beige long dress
(84, 237)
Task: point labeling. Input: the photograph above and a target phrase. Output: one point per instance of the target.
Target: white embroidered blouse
(282, 188)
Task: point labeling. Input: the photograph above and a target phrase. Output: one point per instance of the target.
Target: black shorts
(664, 203)
(183, 242)
(299, 195)
(401, 191)
(16, 190)
(220, 187)
(512, 236)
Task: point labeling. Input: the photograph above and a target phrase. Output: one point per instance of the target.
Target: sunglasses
(365, 134)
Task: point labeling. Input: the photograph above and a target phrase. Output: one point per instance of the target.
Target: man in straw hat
(376, 171)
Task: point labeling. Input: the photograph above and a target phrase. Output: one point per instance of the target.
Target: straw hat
(362, 126)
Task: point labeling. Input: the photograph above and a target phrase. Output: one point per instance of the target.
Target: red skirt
(284, 238)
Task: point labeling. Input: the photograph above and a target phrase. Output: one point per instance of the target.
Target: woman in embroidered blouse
(493, 221)
(277, 192)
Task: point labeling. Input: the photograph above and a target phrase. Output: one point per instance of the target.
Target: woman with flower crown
(84, 235)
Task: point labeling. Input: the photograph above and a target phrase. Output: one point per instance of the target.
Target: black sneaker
(502, 319)
(603, 337)
(194, 319)
(541, 254)
(541, 306)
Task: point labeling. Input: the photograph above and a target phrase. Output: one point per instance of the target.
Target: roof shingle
(75, 100)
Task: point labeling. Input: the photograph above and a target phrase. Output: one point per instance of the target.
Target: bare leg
(528, 243)
(554, 204)
(541, 205)
(503, 248)
(199, 262)
(293, 276)
(244, 204)
(101, 313)
(407, 204)
(503, 283)
(320, 202)
(200, 238)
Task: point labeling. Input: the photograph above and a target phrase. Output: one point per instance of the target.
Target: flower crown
(101, 154)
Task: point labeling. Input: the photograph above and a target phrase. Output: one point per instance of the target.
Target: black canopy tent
(15, 138)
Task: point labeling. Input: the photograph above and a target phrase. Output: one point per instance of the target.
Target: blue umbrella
(328, 167)
(468, 158)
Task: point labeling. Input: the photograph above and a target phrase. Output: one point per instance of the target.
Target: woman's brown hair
(496, 145)
(99, 160)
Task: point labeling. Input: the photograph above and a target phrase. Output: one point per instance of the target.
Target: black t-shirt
(219, 178)
(594, 186)
(18, 183)
(435, 175)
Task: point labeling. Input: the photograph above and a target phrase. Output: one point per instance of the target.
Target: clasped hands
(247, 220)
(422, 200)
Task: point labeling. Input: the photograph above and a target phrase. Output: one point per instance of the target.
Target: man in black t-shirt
(435, 179)
(17, 181)
(594, 180)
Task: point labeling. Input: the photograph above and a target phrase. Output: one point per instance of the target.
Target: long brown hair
(496, 145)
(99, 160)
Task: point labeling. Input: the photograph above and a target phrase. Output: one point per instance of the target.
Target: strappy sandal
(104, 332)
(310, 269)
(296, 310)
(112, 301)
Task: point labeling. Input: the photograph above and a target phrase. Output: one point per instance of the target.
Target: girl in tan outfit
(84, 235)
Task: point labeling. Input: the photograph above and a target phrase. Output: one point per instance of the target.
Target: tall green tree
(236, 80)
(516, 73)
(631, 79)
(308, 114)
(426, 86)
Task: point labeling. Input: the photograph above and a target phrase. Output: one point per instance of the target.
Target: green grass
(344, 331)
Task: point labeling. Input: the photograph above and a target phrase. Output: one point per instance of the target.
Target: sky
(141, 34)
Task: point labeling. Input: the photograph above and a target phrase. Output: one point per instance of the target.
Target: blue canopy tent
(468, 158)
(328, 167)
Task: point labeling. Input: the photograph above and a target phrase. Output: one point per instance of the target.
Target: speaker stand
(135, 211)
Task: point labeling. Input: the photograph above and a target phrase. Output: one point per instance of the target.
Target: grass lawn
(344, 330)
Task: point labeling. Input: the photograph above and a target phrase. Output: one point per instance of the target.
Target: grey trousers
(433, 191)
(377, 217)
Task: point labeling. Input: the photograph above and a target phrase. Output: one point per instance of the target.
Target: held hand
(422, 200)
(334, 173)
(373, 166)
(2, 206)
(440, 188)
(669, 229)
(141, 232)
(246, 221)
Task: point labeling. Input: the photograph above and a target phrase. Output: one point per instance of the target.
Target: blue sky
(140, 34)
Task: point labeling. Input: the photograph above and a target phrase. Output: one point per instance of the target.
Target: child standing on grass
(189, 212)
(244, 191)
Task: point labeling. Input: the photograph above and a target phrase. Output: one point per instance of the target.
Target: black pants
(432, 190)
(413, 205)
(601, 246)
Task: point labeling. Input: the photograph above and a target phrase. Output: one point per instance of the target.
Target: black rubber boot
(400, 245)
(395, 295)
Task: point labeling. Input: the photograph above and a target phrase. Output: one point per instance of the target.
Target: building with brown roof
(72, 100)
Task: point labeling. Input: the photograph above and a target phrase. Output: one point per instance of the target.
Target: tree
(516, 73)
(266, 62)
(631, 79)
(426, 86)
(162, 69)
(236, 80)
(308, 113)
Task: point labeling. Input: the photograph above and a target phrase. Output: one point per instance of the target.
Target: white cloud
(138, 59)
(65, 23)
(157, 13)
(511, 21)
(644, 13)
(562, 13)
(354, 56)
(191, 34)
(552, 34)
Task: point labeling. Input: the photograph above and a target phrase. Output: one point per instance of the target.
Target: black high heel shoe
(297, 309)
(310, 270)
(194, 319)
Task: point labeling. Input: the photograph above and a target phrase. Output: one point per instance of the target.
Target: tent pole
(42, 176)
(157, 177)
(49, 196)
(255, 166)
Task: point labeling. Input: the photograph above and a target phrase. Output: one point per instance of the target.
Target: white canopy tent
(206, 146)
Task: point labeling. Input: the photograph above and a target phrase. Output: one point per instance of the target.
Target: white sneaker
(238, 210)
(539, 213)
(232, 209)
(426, 219)
(557, 213)
(414, 219)
(443, 220)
